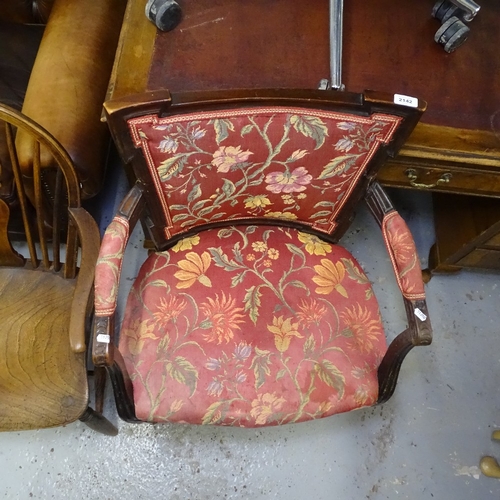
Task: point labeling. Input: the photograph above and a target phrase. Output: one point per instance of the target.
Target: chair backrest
(39, 208)
(298, 158)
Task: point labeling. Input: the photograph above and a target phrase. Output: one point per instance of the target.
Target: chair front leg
(418, 333)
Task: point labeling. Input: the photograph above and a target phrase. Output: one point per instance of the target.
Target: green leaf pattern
(277, 164)
(195, 345)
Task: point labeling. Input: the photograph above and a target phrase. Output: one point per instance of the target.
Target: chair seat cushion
(250, 326)
(43, 383)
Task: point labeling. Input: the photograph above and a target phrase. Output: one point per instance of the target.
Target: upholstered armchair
(249, 312)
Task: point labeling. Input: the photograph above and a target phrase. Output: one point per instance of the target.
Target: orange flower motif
(176, 405)
(329, 277)
(137, 335)
(365, 330)
(186, 243)
(259, 246)
(193, 269)
(274, 254)
(283, 330)
(258, 201)
(402, 245)
(361, 396)
(222, 318)
(169, 309)
(265, 406)
(324, 407)
(281, 215)
(311, 313)
(314, 245)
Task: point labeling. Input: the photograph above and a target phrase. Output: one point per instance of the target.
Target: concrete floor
(426, 442)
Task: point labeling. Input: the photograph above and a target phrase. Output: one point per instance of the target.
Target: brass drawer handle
(411, 173)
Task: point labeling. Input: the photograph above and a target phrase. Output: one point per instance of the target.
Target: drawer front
(452, 179)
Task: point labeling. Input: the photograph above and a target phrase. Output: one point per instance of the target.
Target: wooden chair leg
(97, 422)
(99, 387)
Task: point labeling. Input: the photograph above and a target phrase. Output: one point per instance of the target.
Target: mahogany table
(388, 46)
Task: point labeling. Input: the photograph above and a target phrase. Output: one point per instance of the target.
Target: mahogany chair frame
(141, 204)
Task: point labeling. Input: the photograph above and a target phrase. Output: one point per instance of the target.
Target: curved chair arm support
(88, 233)
(418, 333)
(107, 274)
(404, 258)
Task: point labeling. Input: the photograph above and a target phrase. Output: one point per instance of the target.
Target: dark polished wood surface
(388, 46)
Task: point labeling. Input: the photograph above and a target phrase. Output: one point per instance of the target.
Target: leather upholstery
(69, 81)
(18, 45)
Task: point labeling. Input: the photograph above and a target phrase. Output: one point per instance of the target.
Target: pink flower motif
(228, 156)
(288, 182)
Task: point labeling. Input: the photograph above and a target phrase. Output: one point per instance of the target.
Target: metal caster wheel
(444, 9)
(452, 34)
(165, 14)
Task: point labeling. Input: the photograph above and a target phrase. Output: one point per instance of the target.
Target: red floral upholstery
(278, 162)
(108, 267)
(404, 257)
(250, 326)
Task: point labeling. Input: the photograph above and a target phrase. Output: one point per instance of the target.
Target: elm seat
(249, 313)
(34, 381)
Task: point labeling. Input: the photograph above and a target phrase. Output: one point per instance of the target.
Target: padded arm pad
(109, 266)
(404, 258)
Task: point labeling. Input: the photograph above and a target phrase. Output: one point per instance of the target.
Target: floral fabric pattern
(109, 265)
(277, 162)
(250, 326)
(404, 257)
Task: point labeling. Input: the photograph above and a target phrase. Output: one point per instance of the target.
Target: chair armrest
(399, 243)
(88, 233)
(404, 258)
(108, 271)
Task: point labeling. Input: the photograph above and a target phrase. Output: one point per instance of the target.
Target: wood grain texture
(467, 233)
(223, 44)
(388, 46)
(42, 382)
(133, 54)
